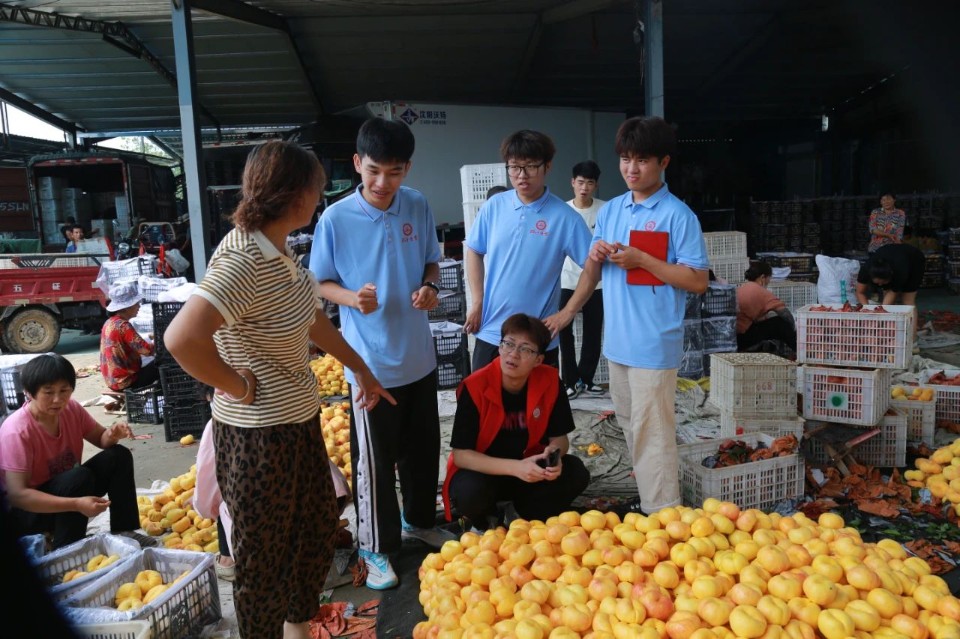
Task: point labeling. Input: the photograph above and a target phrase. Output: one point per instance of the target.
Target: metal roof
(106, 65)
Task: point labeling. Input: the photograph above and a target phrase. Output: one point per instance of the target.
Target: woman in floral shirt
(886, 223)
(121, 347)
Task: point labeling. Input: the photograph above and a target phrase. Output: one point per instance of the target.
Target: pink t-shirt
(753, 303)
(25, 447)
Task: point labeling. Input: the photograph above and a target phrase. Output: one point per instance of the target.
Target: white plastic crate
(948, 397)
(847, 396)
(602, 375)
(135, 629)
(730, 269)
(888, 449)
(759, 484)
(181, 611)
(731, 426)
(867, 340)
(151, 286)
(54, 565)
(921, 417)
(757, 385)
(726, 244)
(476, 180)
(794, 294)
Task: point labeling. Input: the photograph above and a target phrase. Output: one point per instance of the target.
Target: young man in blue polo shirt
(375, 254)
(525, 235)
(643, 324)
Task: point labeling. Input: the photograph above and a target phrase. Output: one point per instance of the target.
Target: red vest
(486, 390)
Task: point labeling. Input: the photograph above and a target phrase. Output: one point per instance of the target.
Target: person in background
(761, 315)
(643, 324)
(496, 188)
(74, 234)
(894, 273)
(511, 414)
(578, 376)
(48, 489)
(121, 347)
(246, 331)
(517, 245)
(376, 255)
(886, 223)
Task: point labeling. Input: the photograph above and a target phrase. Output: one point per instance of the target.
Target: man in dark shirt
(510, 434)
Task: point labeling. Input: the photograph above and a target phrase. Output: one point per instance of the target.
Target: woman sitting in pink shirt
(761, 315)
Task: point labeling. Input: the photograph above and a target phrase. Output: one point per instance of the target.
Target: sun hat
(123, 295)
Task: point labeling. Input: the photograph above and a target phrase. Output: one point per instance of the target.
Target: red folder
(654, 243)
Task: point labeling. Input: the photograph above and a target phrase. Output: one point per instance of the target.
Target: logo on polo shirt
(650, 225)
(408, 235)
(541, 228)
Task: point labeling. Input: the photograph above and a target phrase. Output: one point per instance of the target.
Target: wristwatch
(431, 285)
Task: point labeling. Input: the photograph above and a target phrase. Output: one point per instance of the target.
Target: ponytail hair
(757, 270)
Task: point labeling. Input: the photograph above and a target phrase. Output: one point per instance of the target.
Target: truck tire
(33, 330)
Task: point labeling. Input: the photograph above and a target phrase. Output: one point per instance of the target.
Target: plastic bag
(177, 261)
(838, 277)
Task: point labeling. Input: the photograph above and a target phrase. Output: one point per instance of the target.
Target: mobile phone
(552, 459)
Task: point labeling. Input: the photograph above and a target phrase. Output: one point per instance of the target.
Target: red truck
(43, 293)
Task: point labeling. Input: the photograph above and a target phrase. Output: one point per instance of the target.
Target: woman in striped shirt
(246, 331)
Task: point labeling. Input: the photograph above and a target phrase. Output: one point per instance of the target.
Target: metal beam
(526, 62)
(653, 97)
(192, 143)
(169, 150)
(37, 112)
(113, 33)
(243, 12)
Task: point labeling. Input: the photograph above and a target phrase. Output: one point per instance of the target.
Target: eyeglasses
(514, 170)
(507, 348)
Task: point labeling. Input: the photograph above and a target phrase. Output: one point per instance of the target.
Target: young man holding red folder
(643, 323)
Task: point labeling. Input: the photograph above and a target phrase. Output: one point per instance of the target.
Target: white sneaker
(380, 574)
(434, 537)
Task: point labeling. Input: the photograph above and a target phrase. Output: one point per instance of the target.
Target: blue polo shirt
(525, 246)
(643, 325)
(356, 243)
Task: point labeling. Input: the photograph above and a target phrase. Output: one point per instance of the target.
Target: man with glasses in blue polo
(525, 234)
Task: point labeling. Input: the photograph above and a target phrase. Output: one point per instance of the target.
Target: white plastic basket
(759, 484)
(867, 340)
(476, 180)
(730, 269)
(737, 427)
(753, 385)
(134, 629)
(847, 396)
(794, 294)
(602, 375)
(921, 417)
(948, 397)
(726, 244)
(54, 565)
(887, 450)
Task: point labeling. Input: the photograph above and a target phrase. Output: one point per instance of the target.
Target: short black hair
(588, 169)
(385, 141)
(757, 269)
(880, 269)
(890, 193)
(646, 137)
(47, 369)
(527, 145)
(521, 324)
(496, 188)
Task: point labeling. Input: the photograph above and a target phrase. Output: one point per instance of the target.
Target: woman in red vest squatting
(511, 416)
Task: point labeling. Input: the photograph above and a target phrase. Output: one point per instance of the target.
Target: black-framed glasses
(526, 352)
(515, 170)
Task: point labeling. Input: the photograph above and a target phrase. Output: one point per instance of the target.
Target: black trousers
(146, 375)
(475, 495)
(484, 353)
(572, 371)
(391, 440)
(774, 328)
(109, 472)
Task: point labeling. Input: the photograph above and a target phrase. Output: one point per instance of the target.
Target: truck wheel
(34, 330)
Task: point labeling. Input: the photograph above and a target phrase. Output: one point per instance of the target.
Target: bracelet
(432, 285)
(246, 390)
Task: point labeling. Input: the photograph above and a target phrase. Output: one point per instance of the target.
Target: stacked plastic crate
(475, 181)
(727, 252)
(848, 360)
(952, 269)
(795, 295)
(185, 408)
(756, 396)
(446, 324)
(803, 266)
(709, 326)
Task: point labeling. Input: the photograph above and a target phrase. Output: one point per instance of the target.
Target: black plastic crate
(692, 335)
(144, 405)
(13, 396)
(179, 389)
(185, 419)
(720, 300)
(450, 374)
(692, 310)
(451, 277)
(450, 346)
(452, 308)
(163, 314)
(931, 279)
(720, 333)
